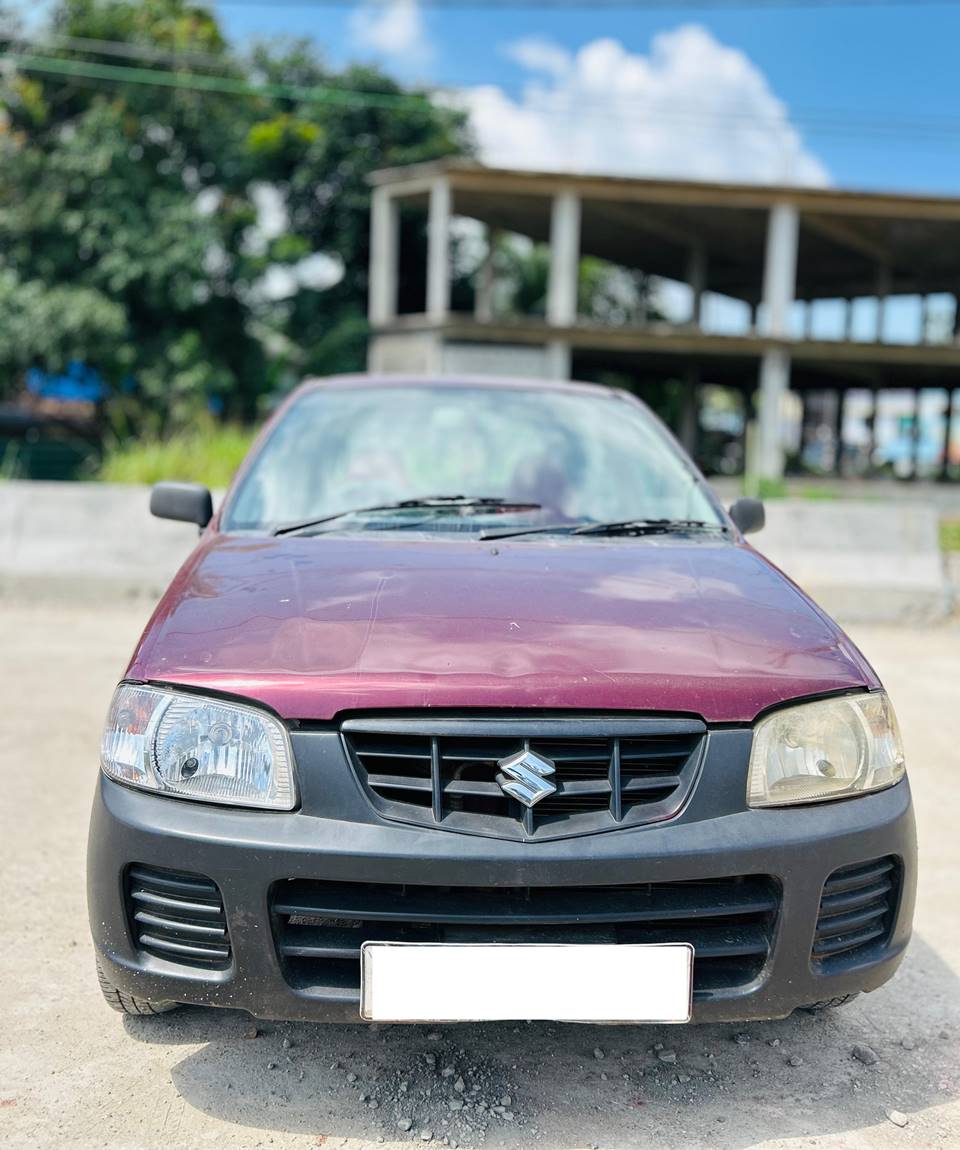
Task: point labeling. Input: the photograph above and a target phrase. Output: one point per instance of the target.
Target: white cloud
(392, 28)
(692, 108)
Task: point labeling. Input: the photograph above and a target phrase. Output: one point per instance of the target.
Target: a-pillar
(779, 287)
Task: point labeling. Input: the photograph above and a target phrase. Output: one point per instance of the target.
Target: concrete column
(925, 319)
(438, 251)
(384, 252)
(486, 279)
(956, 318)
(780, 268)
(949, 417)
(839, 415)
(774, 384)
(883, 290)
(564, 260)
(779, 286)
(915, 435)
(871, 422)
(689, 416)
(697, 279)
(559, 360)
(848, 322)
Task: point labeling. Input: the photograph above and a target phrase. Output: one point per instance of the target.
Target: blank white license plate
(478, 982)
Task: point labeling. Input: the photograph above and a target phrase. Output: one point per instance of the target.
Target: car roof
(454, 382)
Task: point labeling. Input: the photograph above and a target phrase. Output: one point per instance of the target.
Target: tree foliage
(130, 232)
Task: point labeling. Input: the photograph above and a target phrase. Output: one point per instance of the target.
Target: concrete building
(779, 251)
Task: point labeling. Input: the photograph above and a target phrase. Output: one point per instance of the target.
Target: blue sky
(529, 76)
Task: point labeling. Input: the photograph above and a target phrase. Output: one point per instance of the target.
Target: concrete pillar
(949, 418)
(486, 279)
(774, 384)
(883, 290)
(438, 251)
(384, 253)
(956, 318)
(564, 260)
(779, 286)
(559, 360)
(848, 322)
(697, 279)
(871, 422)
(689, 416)
(808, 420)
(839, 415)
(925, 319)
(780, 268)
(915, 434)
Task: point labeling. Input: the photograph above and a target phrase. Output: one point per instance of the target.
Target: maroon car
(473, 703)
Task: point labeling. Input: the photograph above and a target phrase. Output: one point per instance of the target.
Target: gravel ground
(884, 1072)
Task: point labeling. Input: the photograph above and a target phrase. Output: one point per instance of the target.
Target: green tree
(129, 232)
(319, 154)
(106, 256)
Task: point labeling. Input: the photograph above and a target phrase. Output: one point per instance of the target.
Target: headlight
(825, 750)
(180, 744)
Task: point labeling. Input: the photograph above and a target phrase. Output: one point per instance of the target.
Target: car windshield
(579, 456)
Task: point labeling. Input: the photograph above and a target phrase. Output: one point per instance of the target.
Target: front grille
(608, 772)
(177, 916)
(857, 908)
(319, 927)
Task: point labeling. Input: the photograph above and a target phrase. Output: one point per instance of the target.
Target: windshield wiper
(425, 503)
(621, 527)
(647, 527)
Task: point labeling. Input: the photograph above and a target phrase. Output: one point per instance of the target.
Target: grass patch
(950, 534)
(209, 453)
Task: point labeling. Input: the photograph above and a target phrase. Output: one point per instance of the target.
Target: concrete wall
(859, 560)
(86, 540)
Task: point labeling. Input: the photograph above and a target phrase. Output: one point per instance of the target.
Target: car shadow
(569, 1086)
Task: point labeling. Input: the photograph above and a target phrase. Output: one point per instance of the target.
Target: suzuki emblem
(524, 777)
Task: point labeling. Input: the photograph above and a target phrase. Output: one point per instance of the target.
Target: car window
(581, 456)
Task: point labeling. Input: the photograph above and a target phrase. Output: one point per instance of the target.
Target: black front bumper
(249, 855)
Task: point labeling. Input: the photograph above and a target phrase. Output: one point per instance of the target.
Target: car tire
(124, 1003)
(829, 1003)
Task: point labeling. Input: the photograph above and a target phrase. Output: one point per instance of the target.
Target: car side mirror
(749, 515)
(186, 502)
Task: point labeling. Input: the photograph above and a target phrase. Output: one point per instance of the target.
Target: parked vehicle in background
(473, 703)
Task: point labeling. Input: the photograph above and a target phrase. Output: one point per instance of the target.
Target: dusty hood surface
(317, 626)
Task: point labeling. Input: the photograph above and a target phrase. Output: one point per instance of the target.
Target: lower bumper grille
(857, 908)
(178, 917)
(319, 927)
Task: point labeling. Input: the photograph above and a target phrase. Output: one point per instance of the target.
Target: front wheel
(124, 1003)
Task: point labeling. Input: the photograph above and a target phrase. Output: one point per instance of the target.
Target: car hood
(316, 626)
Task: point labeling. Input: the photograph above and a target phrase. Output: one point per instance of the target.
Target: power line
(203, 82)
(815, 118)
(636, 114)
(622, 5)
